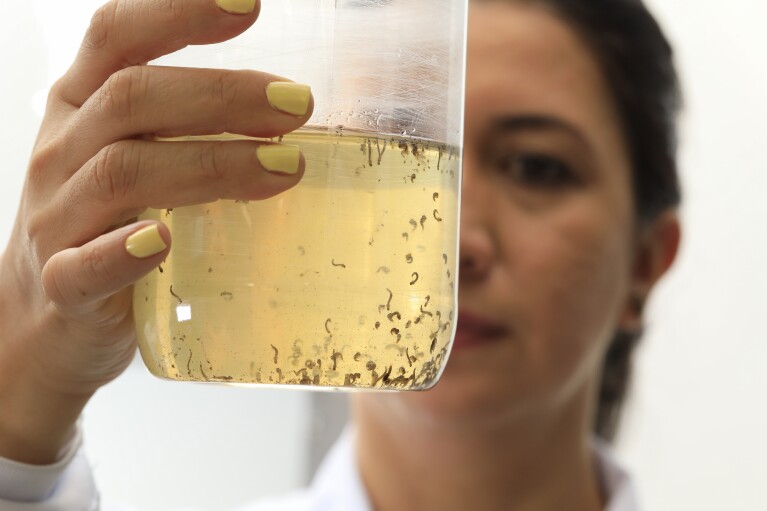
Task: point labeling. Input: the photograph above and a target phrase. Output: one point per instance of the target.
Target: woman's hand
(65, 278)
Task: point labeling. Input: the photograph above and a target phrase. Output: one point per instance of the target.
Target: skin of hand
(66, 277)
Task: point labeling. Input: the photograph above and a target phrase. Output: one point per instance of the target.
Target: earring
(633, 321)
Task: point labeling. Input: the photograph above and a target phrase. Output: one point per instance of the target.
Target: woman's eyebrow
(536, 122)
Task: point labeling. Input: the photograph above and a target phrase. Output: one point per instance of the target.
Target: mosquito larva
(334, 357)
(175, 295)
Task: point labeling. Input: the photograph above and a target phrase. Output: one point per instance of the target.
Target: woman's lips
(473, 331)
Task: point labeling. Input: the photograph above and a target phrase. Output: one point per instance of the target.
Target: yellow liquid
(347, 280)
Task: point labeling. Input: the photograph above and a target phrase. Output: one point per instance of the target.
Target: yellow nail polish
(280, 158)
(289, 97)
(237, 6)
(145, 242)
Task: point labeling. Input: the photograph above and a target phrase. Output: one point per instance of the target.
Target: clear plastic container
(349, 279)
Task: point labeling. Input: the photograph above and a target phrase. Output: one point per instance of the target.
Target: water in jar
(346, 280)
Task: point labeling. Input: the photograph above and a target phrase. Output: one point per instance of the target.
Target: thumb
(78, 279)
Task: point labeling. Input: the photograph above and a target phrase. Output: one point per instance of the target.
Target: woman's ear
(656, 249)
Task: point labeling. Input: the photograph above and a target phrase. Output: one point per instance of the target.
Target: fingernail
(279, 158)
(145, 242)
(289, 97)
(237, 6)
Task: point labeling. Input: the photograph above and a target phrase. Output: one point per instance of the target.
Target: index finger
(132, 32)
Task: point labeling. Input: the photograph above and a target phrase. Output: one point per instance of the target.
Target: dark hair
(637, 61)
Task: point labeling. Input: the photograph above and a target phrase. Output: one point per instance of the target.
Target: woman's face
(547, 236)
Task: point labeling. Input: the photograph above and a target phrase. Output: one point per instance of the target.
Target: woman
(568, 222)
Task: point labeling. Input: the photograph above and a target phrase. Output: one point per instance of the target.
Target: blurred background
(694, 432)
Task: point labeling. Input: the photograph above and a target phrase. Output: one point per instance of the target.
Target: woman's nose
(477, 246)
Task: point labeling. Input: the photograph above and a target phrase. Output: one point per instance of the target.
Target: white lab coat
(68, 485)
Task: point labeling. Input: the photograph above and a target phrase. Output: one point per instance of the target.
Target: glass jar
(349, 279)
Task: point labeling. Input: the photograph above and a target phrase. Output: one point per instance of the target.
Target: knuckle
(226, 90)
(37, 227)
(44, 157)
(121, 91)
(101, 26)
(214, 161)
(175, 10)
(95, 265)
(55, 284)
(114, 173)
(57, 90)
(114, 95)
(57, 96)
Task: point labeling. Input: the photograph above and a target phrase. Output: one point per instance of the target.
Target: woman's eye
(537, 171)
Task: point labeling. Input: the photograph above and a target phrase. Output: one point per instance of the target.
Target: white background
(695, 431)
